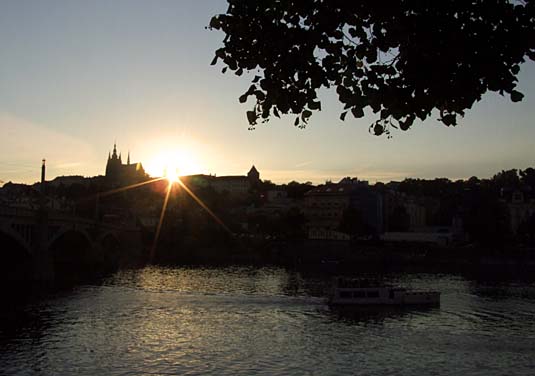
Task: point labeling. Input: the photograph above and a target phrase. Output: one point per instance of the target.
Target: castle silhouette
(119, 173)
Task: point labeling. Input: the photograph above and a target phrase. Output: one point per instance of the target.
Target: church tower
(253, 174)
(118, 173)
(113, 167)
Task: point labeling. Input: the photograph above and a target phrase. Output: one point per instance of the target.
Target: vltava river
(229, 321)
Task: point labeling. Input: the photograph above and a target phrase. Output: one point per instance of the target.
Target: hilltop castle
(234, 185)
(121, 174)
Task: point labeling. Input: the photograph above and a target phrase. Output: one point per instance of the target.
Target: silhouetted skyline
(76, 76)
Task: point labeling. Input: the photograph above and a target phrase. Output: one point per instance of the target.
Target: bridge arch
(67, 231)
(110, 252)
(15, 257)
(71, 253)
(9, 235)
(109, 240)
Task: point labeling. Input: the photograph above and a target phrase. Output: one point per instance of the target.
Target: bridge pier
(40, 246)
(42, 267)
(42, 261)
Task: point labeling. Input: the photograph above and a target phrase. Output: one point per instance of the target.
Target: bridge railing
(90, 223)
(60, 217)
(13, 211)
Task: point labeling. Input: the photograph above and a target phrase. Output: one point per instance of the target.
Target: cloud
(67, 166)
(303, 164)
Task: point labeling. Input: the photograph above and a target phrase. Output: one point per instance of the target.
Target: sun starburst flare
(204, 206)
(164, 207)
(160, 222)
(171, 174)
(125, 188)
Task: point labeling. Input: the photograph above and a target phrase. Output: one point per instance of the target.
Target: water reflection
(377, 315)
(242, 320)
(246, 280)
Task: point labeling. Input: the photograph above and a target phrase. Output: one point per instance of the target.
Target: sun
(171, 164)
(171, 174)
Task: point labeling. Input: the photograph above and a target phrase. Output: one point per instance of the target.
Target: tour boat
(350, 292)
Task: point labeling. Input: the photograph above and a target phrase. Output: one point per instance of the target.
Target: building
(326, 205)
(253, 175)
(238, 184)
(118, 173)
(399, 207)
(67, 181)
(234, 184)
(19, 195)
(275, 203)
(520, 209)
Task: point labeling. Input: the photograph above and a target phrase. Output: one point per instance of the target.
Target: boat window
(345, 294)
(359, 294)
(373, 294)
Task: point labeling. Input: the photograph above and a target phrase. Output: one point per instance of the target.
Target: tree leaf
(449, 119)
(343, 115)
(378, 129)
(422, 115)
(371, 56)
(357, 112)
(516, 96)
(215, 22)
(251, 117)
(314, 105)
(260, 95)
(411, 71)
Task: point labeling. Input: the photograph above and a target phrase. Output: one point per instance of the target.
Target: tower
(114, 155)
(253, 174)
(118, 173)
(113, 167)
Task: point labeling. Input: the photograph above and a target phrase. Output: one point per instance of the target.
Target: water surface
(241, 320)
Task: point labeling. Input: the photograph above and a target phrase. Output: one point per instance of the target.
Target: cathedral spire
(114, 155)
(128, 159)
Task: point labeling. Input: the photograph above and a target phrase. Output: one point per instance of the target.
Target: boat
(363, 292)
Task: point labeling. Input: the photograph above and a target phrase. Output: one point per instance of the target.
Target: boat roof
(341, 282)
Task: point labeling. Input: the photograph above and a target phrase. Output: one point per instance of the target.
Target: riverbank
(344, 257)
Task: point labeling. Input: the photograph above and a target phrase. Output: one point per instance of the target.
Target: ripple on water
(263, 321)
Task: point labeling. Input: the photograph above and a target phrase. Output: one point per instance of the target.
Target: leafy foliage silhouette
(401, 59)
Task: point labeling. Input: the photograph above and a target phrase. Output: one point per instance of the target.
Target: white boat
(350, 292)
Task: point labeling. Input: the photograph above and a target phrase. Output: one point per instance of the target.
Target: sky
(76, 76)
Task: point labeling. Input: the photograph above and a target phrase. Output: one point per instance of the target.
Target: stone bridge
(40, 244)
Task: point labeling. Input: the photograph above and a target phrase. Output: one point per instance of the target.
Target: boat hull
(383, 296)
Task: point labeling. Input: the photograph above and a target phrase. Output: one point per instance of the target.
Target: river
(241, 320)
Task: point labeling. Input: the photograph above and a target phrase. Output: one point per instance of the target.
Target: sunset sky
(77, 75)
